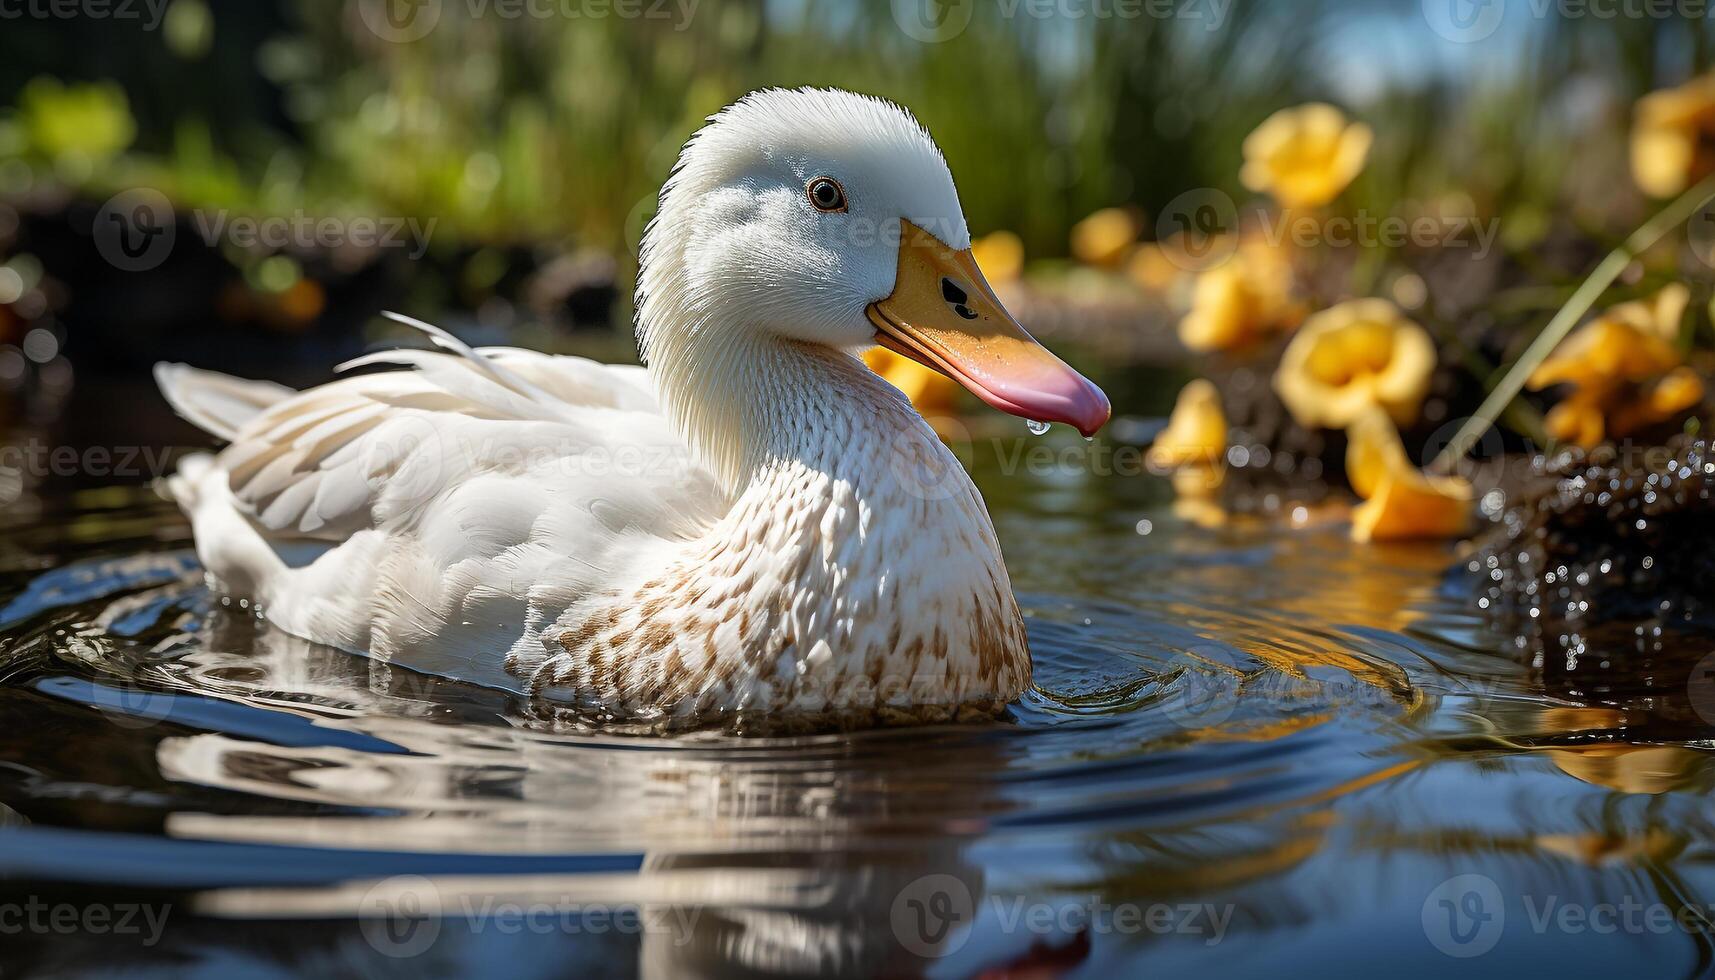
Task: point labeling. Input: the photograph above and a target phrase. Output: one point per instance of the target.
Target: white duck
(754, 522)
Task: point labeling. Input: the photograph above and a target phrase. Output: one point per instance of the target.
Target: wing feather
(215, 403)
(365, 449)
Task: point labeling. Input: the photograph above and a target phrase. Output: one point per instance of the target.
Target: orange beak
(943, 315)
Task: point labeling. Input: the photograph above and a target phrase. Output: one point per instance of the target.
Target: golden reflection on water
(1652, 845)
(1317, 589)
(1632, 768)
(1235, 712)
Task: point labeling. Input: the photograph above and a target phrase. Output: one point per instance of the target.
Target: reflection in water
(1248, 746)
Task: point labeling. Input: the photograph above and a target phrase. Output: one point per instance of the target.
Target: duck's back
(438, 517)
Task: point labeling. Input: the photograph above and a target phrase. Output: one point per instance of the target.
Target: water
(1252, 747)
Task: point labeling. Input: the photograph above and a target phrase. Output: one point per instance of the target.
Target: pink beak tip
(1097, 411)
(1070, 398)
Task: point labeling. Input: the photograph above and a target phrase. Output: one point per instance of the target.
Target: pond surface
(1252, 747)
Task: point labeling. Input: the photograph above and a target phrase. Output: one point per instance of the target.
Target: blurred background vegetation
(536, 144)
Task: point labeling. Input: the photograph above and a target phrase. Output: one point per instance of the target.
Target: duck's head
(824, 217)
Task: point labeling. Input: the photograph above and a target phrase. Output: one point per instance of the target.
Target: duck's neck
(856, 563)
(745, 402)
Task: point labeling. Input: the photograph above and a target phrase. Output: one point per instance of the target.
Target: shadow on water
(1250, 746)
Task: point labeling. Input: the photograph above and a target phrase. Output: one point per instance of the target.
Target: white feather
(213, 402)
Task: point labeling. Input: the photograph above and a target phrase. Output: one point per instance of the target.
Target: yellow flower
(1673, 137)
(1196, 433)
(1104, 238)
(1579, 419)
(1000, 255)
(1401, 502)
(1629, 342)
(1353, 357)
(1590, 414)
(1243, 299)
(1624, 371)
(1667, 397)
(1305, 156)
(931, 391)
(1604, 351)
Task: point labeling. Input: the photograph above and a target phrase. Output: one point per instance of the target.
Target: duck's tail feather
(216, 403)
(477, 360)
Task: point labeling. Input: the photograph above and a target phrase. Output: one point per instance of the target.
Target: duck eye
(826, 194)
